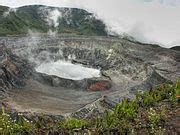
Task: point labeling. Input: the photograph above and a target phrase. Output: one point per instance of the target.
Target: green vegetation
(72, 123)
(9, 126)
(148, 113)
(75, 21)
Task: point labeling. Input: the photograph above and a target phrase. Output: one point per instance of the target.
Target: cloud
(165, 2)
(139, 31)
(146, 20)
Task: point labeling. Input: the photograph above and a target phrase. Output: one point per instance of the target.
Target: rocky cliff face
(177, 48)
(13, 71)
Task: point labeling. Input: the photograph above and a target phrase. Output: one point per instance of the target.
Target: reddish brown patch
(99, 86)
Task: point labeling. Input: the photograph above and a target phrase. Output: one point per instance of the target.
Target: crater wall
(125, 67)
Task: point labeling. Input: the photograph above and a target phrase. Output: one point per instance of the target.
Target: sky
(151, 21)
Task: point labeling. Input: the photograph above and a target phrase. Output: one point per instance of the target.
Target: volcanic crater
(72, 75)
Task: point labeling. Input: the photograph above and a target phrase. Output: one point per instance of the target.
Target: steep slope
(10, 23)
(13, 72)
(43, 19)
(177, 48)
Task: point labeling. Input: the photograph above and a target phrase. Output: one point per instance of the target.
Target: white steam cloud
(5, 14)
(51, 16)
(55, 15)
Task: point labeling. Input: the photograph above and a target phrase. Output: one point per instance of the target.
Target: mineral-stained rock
(99, 84)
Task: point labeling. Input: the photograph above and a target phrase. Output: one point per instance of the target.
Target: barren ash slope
(75, 66)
